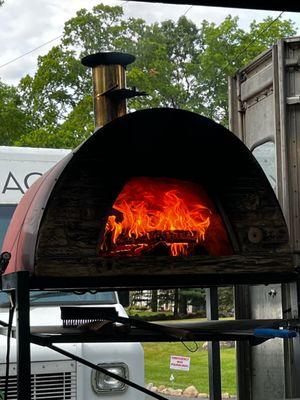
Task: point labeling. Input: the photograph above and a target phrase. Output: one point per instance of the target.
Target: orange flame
(150, 211)
(178, 249)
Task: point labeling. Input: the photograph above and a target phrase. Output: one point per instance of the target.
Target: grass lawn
(147, 313)
(157, 362)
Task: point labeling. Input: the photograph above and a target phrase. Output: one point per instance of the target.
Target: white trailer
(53, 375)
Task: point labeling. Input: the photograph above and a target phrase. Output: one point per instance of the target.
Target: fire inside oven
(163, 216)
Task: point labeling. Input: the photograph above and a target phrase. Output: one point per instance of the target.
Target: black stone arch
(161, 143)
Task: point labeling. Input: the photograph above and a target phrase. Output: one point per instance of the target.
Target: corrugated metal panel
(267, 358)
(266, 107)
(259, 120)
(257, 83)
(49, 381)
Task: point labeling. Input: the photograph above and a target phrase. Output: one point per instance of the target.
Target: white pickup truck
(55, 376)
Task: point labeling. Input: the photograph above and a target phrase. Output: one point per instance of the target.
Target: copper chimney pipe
(109, 82)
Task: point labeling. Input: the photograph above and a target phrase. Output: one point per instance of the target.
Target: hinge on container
(293, 99)
(243, 77)
(242, 107)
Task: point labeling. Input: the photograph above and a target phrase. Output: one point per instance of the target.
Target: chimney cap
(108, 58)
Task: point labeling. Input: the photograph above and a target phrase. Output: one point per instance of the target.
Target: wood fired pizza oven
(158, 197)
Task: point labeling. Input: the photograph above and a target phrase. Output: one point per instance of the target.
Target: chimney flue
(109, 82)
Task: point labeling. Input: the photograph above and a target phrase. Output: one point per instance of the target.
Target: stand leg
(243, 348)
(214, 367)
(23, 335)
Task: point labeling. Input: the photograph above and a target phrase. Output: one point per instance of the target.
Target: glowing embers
(160, 216)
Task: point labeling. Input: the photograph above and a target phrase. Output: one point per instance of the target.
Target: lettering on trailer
(17, 178)
(21, 167)
(180, 363)
(12, 182)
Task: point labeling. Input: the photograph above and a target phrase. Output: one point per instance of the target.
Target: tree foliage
(179, 64)
(13, 121)
(179, 299)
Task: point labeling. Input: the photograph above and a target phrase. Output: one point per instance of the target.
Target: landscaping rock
(202, 396)
(149, 386)
(154, 389)
(174, 392)
(205, 346)
(161, 388)
(169, 391)
(228, 344)
(225, 396)
(177, 392)
(190, 391)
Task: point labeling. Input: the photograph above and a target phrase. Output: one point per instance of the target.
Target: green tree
(13, 120)
(228, 48)
(194, 297)
(166, 61)
(226, 302)
(178, 64)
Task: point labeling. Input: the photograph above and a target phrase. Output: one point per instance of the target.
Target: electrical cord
(196, 348)
(234, 59)
(30, 51)
(187, 10)
(9, 330)
(251, 42)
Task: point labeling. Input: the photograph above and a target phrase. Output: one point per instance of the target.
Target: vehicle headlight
(102, 383)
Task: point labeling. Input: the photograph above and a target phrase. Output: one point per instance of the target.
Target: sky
(28, 24)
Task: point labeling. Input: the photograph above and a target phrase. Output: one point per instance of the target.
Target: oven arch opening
(164, 216)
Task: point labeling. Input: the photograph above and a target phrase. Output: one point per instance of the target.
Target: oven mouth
(163, 217)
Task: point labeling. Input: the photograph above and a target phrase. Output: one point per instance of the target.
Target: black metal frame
(240, 331)
(131, 282)
(20, 284)
(21, 287)
(214, 361)
(243, 354)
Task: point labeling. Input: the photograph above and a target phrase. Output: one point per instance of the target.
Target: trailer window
(44, 298)
(265, 155)
(58, 297)
(6, 212)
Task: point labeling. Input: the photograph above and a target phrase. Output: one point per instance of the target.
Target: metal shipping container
(264, 107)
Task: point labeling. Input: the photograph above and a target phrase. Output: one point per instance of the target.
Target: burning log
(167, 218)
(153, 243)
(156, 243)
(176, 236)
